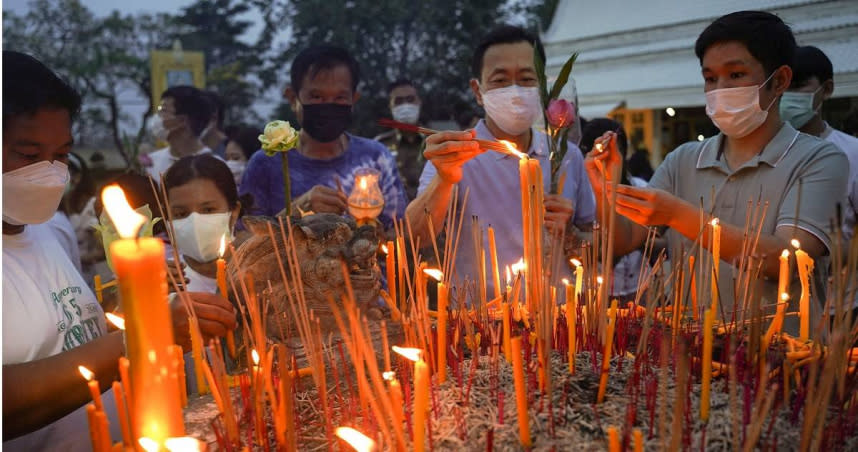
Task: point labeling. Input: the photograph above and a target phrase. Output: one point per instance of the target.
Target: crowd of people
(765, 96)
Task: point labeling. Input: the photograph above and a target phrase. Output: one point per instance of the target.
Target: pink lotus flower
(560, 113)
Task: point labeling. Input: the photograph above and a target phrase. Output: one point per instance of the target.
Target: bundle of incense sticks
(485, 144)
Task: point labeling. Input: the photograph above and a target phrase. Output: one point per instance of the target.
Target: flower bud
(560, 113)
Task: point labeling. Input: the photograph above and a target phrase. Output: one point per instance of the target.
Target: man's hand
(449, 151)
(558, 213)
(321, 199)
(604, 162)
(215, 316)
(648, 206)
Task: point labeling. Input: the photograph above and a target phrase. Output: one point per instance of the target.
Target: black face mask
(326, 122)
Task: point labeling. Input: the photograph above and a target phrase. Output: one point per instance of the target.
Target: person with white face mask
(756, 158)
(204, 206)
(505, 84)
(183, 117)
(242, 143)
(52, 322)
(405, 105)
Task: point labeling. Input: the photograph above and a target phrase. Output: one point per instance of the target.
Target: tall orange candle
(716, 261)
(639, 440)
(443, 296)
(92, 383)
(156, 409)
(805, 268)
(493, 253)
(421, 403)
(606, 354)
(94, 437)
(520, 392)
(708, 319)
(613, 440)
(395, 390)
(507, 333)
(390, 268)
(122, 412)
(222, 288)
(571, 323)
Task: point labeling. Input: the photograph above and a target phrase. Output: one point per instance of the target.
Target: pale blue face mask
(797, 108)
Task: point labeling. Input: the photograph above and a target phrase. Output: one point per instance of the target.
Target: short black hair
(504, 34)
(29, 86)
(247, 138)
(810, 62)
(218, 105)
(203, 166)
(193, 103)
(765, 35)
(315, 59)
(400, 82)
(595, 128)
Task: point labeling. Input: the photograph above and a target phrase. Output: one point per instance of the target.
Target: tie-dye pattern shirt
(263, 177)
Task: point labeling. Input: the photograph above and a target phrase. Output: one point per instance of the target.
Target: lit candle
(443, 296)
(579, 278)
(606, 353)
(707, 365)
(396, 400)
(716, 261)
(805, 267)
(184, 444)
(571, 320)
(224, 292)
(357, 440)
(92, 383)
(507, 350)
(390, 268)
(520, 392)
(420, 404)
(155, 405)
(493, 253)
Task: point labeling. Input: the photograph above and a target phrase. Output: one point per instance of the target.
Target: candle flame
(389, 375)
(384, 249)
(714, 222)
(575, 262)
(508, 274)
(116, 320)
(565, 281)
(795, 244)
(255, 356)
(87, 374)
(356, 439)
(600, 280)
(599, 147)
(785, 253)
(434, 273)
(519, 266)
(784, 297)
(124, 218)
(222, 248)
(148, 444)
(183, 444)
(513, 149)
(412, 354)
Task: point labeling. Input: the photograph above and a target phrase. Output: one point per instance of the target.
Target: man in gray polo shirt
(505, 84)
(756, 157)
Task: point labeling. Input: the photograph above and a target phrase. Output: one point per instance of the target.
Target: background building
(637, 62)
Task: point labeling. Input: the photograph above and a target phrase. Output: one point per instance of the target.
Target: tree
(428, 42)
(103, 58)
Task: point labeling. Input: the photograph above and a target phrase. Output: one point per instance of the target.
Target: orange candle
(103, 431)
(94, 390)
(493, 253)
(613, 440)
(606, 354)
(197, 356)
(222, 288)
(421, 403)
(507, 350)
(119, 396)
(571, 324)
(94, 438)
(520, 392)
(395, 390)
(443, 295)
(156, 409)
(708, 319)
(805, 268)
(390, 267)
(639, 440)
(716, 261)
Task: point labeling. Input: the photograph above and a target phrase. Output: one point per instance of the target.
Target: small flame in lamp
(357, 440)
(384, 249)
(784, 297)
(600, 280)
(513, 150)
(255, 357)
(389, 375)
(118, 321)
(148, 444)
(366, 201)
(183, 444)
(795, 244)
(714, 222)
(222, 248)
(436, 274)
(575, 262)
(412, 354)
(519, 267)
(87, 374)
(785, 253)
(565, 281)
(126, 221)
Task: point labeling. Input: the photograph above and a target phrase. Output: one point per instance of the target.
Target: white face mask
(736, 111)
(407, 113)
(198, 235)
(156, 128)
(237, 168)
(513, 108)
(32, 194)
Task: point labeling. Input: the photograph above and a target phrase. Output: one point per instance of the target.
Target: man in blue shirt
(505, 84)
(322, 168)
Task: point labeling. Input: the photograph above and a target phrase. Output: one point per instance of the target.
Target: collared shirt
(263, 177)
(492, 182)
(797, 178)
(408, 151)
(849, 145)
(163, 159)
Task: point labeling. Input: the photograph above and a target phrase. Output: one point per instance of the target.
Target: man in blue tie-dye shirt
(322, 169)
